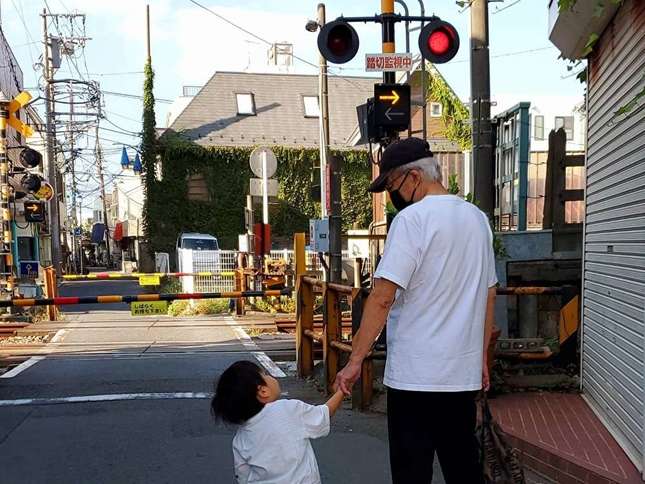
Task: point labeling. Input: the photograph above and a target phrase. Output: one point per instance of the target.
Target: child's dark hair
(235, 399)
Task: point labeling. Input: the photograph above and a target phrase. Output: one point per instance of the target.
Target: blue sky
(189, 44)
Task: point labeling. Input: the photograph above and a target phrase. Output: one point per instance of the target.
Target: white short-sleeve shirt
(274, 447)
(439, 252)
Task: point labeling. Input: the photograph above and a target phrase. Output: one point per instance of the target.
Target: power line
(134, 96)
(498, 9)
(509, 54)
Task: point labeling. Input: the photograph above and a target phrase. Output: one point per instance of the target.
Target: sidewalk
(560, 437)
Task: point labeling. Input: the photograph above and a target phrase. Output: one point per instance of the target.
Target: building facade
(613, 339)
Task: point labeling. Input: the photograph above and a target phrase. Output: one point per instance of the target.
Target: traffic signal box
(34, 212)
(392, 106)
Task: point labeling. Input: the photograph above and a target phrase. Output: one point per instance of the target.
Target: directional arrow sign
(34, 212)
(392, 106)
(18, 102)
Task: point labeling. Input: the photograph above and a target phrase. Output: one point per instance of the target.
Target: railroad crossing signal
(392, 106)
(34, 212)
(338, 42)
(438, 41)
(18, 102)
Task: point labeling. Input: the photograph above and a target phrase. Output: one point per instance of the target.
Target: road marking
(58, 337)
(250, 345)
(106, 398)
(22, 367)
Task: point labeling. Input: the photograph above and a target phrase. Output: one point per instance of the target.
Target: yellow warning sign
(149, 280)
(18, 102)
(149, 308)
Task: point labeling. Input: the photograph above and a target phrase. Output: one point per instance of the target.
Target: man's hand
(346, 377)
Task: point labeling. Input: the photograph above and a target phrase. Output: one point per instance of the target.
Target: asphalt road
(122, 400)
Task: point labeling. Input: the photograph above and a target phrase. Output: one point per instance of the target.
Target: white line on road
(106, 398)
(250, 345)
(22, 367)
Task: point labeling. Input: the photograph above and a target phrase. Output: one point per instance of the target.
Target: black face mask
(397, 199)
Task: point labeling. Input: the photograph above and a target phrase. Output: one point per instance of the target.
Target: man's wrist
(356, 359)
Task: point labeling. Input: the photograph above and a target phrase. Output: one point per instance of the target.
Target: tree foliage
(148, 141)
(455, 115)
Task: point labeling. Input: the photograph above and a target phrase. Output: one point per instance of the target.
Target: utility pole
(324, 123)
(54, 219)
(78, 249)
(483, 163)
(330, 172)
(148, 33)
(99, 168)
(5, 197)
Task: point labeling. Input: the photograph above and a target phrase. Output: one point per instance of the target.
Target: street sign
(255, 161)
(392, 105)
(149, 281)
(256, 189)
(34, 212)
(18, 102)
(388, 62)
(29, 269)
(78, 232)
(45, 192)
(149, 308)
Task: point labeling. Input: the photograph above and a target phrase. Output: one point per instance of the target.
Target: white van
(196, 242)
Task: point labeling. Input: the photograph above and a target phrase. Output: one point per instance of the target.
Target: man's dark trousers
(420, 423)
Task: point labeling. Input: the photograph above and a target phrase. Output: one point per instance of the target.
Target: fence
(334, 347)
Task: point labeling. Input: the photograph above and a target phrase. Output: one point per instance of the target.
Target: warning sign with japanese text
(149, 308)
(388, 62)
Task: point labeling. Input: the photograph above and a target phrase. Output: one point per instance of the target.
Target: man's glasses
(389, 186)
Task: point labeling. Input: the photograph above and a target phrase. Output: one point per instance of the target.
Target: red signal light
(338, 42)
(438, 42)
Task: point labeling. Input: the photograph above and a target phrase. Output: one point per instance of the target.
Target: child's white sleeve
(242, 469)
(315, 420)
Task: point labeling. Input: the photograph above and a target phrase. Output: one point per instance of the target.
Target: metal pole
(424, 81)
(324, 122)
(265, 190)
(148, 33)
(99, 167)
(483, 166)
(5, 191)
(54, 219)
(406, 10)
(78, 251)
(387, 9)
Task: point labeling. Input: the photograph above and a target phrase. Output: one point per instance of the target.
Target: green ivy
(455, 115)
(227, 173)
(148, 141)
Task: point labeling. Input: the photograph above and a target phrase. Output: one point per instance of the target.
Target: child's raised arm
(335, 402)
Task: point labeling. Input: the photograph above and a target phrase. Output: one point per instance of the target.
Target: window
(565, 122)
(538, 127)
(245, 104)
(436, 109)
(312, 108)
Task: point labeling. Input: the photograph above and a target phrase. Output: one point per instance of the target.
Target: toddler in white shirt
(272, 444)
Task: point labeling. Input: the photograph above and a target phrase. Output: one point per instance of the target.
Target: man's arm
(488, 332)
(375, 313)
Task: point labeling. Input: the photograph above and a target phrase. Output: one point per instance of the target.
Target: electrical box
(319, 235)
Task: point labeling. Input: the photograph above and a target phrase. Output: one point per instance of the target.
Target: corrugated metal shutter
(614, 276)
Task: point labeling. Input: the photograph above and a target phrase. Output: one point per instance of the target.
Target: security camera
(311, 26)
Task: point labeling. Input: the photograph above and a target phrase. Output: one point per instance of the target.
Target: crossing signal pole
(5, 194)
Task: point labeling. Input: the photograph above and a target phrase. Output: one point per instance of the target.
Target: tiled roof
(211, 117)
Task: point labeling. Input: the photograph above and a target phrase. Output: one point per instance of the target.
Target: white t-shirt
(439, 252)
(273, 447)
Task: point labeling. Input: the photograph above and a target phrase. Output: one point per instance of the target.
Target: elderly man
(435, 288)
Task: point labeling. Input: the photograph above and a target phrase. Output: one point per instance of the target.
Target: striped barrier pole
(60, 301)
(138, 275)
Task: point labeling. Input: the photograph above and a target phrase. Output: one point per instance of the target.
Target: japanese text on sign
(149, 281)
(149, 308)
(388, 62)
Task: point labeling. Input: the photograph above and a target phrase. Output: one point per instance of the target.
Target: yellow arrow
(33, 208)
(19, 101)
(394, 97)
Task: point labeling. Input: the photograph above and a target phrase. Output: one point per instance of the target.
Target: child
(272, 442)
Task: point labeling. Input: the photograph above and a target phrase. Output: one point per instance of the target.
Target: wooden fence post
(332, 331)
(304, 321)
(51, 291)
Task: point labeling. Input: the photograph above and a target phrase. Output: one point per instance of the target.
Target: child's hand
(335, 402)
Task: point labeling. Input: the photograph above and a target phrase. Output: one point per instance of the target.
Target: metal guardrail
(64, 301)
(331, 338)
(138, 275)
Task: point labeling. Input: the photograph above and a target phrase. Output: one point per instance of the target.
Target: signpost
(45, 192)
(392, 105)
(29, 269)
(34, 212)
(149, 308)
(388, 62)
